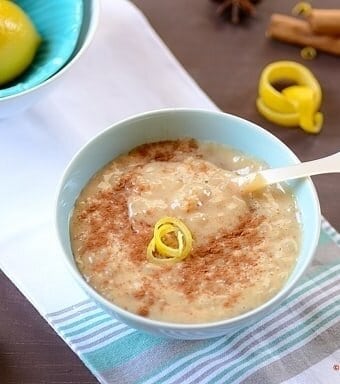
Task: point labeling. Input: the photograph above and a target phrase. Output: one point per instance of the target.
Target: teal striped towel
(299, 334)
(128, 70)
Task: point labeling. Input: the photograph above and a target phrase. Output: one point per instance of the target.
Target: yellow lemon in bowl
(19, 41)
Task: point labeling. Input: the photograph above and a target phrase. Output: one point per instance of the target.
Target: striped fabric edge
(330, 231)
(70, 309)
(259, 341)
(188, 368)
(320, 325)
(91, 330)
(88, 327)
(296, 334)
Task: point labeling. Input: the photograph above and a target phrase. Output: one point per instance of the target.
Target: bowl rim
(158, 324)
(95, 12)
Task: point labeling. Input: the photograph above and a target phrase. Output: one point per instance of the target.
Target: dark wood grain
(30, 351)
(226, 62)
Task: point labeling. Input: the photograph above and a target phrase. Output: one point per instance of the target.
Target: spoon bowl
(258, 180)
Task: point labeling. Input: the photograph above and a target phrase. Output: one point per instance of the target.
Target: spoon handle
(329, 164)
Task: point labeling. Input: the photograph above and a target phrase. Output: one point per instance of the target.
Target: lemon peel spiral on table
(159, 252)
(19, 41)
(296, 105)
(303, 8)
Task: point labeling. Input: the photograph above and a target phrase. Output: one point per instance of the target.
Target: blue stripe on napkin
(118, 354)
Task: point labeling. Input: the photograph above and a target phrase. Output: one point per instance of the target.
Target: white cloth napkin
(126, 70)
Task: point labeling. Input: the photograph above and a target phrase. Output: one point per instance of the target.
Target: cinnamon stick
(295, 31)
(325, 21)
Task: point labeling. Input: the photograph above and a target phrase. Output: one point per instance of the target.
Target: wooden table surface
(226, 61)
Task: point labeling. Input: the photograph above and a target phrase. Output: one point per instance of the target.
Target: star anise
(235, 10)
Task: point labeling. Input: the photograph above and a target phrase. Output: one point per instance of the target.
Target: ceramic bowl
(202, 125)
(58, 23)
(66, 34)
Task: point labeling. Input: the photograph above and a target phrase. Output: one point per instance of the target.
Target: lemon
(19, 41)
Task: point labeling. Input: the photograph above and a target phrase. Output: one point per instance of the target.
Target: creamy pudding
(244, 245)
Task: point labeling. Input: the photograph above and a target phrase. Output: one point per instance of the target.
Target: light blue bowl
(17, 103)
(203, 125)
(58, 23)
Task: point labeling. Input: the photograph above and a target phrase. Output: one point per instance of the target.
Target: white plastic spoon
(257, 180)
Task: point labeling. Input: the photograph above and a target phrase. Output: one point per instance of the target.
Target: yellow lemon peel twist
(296, 105)
(308, 53)
(302, 8)
(159, 252)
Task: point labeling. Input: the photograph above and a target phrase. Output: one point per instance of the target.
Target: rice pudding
(244, 245)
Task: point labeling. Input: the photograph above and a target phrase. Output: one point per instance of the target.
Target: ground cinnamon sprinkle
(232, 299)
(223, 265)
(217, 260)
(143, 311)
(107, 213)
(166, 150)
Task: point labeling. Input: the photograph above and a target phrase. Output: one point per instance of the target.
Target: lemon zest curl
(159, 252)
